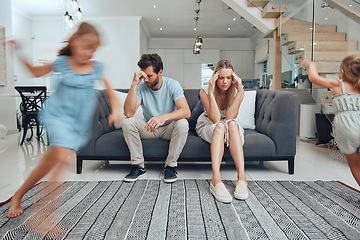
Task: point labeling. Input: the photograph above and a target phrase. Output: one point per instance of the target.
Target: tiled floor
(311, 163)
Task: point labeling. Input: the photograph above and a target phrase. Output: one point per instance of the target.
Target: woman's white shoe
(241, 191)
(220, 193)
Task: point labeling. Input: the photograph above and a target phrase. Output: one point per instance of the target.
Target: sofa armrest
(276, 116)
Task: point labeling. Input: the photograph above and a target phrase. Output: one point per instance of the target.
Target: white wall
(209, 43)
(121, 44)
(181, 64)
(7, 104)
(144, 38)
(22, 31)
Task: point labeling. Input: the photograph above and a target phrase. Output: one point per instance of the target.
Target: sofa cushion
(258, 144)
(112, 144)
(192, 97)
(246, 115)
(195, 113)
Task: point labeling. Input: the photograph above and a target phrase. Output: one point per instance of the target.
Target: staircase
(330, 46)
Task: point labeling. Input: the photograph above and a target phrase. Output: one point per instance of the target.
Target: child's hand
(114, 117)
(14, 43)
(305, 63)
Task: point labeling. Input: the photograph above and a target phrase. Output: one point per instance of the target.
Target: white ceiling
(176, 16)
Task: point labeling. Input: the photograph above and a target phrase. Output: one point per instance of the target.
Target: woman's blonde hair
(83, 29)
(231, 92)
(351, 70)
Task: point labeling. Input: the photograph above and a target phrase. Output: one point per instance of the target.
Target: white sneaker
(220, 193)
(241, 191)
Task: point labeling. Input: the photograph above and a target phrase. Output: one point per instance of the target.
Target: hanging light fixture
(198, 40)
(73, 14)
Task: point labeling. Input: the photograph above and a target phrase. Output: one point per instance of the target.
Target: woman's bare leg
(236, 149)
(217, 152)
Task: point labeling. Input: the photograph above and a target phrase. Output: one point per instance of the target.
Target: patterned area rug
(152, 209)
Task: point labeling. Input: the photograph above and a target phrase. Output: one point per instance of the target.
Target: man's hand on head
(138, 76)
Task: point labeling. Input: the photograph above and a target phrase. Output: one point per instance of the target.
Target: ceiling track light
(198, 40)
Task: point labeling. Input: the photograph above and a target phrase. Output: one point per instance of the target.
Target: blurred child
(69, 111)
(346, 102)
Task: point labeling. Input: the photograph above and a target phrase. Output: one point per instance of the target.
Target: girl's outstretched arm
(314, 76)
(36, 71)
(115, 116)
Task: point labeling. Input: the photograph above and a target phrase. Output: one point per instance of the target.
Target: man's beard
(154, 84)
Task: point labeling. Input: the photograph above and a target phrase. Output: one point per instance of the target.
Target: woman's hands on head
(212, 82)
(237, 82)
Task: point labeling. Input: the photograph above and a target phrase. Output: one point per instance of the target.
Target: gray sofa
(273, 139)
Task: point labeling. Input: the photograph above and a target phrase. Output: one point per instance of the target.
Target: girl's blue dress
(68, 113)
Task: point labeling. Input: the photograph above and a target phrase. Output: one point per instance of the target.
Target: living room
(128, 33)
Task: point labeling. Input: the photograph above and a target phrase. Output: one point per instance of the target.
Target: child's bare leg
(354, 164)
(50, 159)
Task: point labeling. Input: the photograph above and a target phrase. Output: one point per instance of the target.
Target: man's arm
(182, 111)
(132, 102)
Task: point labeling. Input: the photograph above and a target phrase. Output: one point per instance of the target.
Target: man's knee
(182, 125)
(128, 123)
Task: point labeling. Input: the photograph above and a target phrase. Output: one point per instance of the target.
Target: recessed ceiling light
(194, 29)
(154, 6)
(350, 5)
(234, 19)
(326, 18)
(229, 29)
(160, 29)
(158, 19)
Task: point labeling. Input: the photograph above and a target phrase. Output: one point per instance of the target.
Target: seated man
(165, 109)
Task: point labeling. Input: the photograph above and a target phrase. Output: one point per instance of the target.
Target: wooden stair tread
(289, 37)
(273, 10)
(322, 46)
(324, 56)
(289, 24)
(324, 67)
(257, 3)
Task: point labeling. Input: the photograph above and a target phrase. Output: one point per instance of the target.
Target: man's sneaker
(170, 174)
(135, 173)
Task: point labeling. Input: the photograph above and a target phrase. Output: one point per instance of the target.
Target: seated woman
(217, 124)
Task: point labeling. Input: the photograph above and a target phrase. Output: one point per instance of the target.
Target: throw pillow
(121, 97)
(246, 115)
(195, 113)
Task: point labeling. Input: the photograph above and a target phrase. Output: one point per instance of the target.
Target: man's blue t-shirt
(155, 103)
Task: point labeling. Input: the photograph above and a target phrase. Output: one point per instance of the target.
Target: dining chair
(32, 101)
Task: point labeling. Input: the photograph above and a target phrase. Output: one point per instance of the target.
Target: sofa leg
(261, 164)
(291, 162)
(79, 163)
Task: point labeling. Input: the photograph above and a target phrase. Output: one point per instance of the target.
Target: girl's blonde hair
(231, 92)
(351, 68)
(83, 29)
